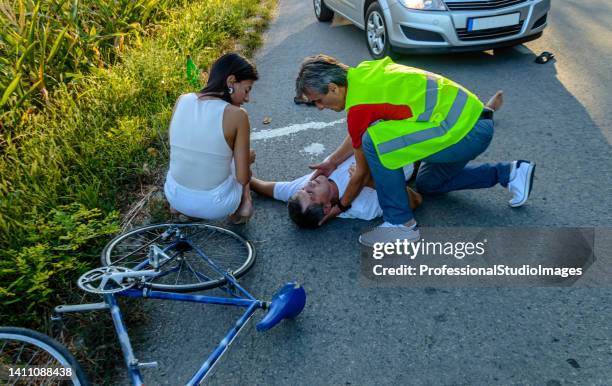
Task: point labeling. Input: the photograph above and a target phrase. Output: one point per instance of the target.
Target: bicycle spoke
(208, 236)
(48, 362)
(30, 350)
(20, 352)
(195, 273)
(179, 272)
(221, 247)
(137, 250)
(196, 232)
(166, 273)
(31, 359)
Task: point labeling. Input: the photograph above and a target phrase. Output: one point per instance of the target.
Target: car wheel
(376, 34)
(322, 11)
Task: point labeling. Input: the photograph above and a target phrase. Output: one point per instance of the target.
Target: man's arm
(339, 155)
(358, 180)
(265, 188)
(415, 198)
(343, 151)
(369, 183)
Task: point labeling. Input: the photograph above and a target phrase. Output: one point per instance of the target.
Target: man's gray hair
(317, 72)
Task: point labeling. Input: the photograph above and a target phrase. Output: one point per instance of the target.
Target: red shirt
(360, 117)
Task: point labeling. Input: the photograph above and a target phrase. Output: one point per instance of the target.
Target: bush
(46, 43)
(61, 245)
(90, 143)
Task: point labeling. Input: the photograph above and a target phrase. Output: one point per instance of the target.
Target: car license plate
(476, 24)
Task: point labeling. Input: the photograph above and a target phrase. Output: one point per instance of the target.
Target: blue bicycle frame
(288, 302)
(130, 360)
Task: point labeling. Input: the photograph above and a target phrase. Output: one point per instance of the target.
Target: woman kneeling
(210, 152)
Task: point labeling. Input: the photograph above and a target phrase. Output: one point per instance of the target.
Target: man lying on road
(310, 200)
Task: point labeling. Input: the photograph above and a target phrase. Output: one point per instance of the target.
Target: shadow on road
(349, 334)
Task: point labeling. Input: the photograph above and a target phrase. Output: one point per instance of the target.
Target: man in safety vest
(397, 115)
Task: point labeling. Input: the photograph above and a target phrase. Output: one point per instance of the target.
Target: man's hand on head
(325, 168)
(333, 212)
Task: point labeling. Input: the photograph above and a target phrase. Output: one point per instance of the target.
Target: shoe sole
(364, 244)
(372, 245)
(530, 174)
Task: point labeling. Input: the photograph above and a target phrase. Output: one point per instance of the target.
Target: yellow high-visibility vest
(443, 112)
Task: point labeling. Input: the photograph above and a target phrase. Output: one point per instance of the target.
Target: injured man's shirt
(364, 207)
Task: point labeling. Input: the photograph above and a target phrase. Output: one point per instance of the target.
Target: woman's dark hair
(226, 65)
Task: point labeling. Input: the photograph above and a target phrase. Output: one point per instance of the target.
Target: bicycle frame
(131, 363)
(246, 300)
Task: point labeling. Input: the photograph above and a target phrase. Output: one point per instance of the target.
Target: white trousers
(211, 204)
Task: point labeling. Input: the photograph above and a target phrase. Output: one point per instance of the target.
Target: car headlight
(425, 5)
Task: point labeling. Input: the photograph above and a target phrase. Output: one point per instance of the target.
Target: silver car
(439, 25)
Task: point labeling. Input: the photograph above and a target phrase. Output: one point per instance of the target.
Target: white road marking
(292, 129)
(314, 149)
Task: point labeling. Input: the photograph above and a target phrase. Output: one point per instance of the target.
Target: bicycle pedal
(147, 365)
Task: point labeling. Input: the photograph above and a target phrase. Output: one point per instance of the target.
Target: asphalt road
(555, 114)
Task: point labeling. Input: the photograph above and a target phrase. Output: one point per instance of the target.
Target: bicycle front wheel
(30, 358)
(187, 270)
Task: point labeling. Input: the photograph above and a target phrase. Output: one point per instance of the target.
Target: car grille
(491, 33)
(481, 5)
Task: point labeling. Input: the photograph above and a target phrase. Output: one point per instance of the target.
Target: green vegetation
(71, 154)
(59, 244)
(45, 43)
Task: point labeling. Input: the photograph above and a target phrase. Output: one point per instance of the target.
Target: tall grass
(90, 140)
(45, 43)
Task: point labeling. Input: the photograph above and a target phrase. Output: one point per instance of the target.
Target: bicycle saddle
(287, 303)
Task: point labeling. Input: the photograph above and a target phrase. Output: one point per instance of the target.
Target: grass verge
(93, 149)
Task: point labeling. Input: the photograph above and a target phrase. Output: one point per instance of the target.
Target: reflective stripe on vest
(443, 111)
(431, 99)
(427, 134)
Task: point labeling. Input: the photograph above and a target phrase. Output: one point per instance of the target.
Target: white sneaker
(389, 233)
(521, 181)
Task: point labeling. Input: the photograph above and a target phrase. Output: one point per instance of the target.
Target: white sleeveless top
(200, 158)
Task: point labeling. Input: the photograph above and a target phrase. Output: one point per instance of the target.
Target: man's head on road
(311, 203)
(322, 80)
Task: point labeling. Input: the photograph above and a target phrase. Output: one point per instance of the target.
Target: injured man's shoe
(521, 182)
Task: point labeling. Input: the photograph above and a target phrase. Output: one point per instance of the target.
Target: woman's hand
(245, 209)
(325, 168)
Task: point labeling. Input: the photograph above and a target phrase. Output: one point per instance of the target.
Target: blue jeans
(442, 172)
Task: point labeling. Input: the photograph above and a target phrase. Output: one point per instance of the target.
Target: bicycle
(162, 262)
(27, 355)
